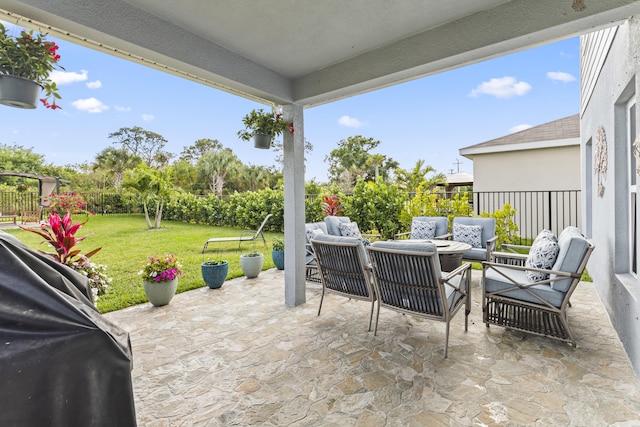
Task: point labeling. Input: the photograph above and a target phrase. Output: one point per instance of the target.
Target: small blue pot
(278, 259)
(214, 275)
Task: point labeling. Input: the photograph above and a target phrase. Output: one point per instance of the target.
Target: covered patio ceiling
(309, 52)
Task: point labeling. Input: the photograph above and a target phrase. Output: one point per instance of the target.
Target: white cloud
(94, 85)
(90, 105)
(504, 87)
(518, 128)
(560, 76)
(350, 122)
(67, 77)
(148, 117)
(122, 109)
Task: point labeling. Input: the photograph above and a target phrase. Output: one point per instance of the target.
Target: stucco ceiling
(312, 51)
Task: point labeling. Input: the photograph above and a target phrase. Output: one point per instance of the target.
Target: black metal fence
(535, 210)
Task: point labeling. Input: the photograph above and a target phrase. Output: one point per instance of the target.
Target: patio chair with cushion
(426, 227)
(344, 268)
(343, 226)
(478, 232)
(534, 297)
(407, 279)
(312, 230)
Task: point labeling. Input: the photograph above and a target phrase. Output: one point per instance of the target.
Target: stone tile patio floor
(238, 356)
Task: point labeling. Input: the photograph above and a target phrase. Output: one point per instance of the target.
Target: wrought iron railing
(535, 210)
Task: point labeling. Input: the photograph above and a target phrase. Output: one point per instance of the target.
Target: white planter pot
(251, 265)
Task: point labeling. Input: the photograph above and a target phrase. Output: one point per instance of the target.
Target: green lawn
(126, 243)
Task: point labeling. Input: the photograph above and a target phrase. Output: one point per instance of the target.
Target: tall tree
(192, 153)
(214, 166)
(115, 161)
(353, 159)
(149, 146)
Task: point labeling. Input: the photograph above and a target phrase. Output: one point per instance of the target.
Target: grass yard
(126, 243)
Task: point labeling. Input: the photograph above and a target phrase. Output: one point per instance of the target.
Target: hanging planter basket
(261, 140)
(19, 92)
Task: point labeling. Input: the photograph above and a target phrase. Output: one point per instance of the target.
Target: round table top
(449, 246)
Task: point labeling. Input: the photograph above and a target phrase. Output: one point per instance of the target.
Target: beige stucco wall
(528, 170)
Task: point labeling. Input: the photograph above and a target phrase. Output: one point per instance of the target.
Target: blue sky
(430, 118)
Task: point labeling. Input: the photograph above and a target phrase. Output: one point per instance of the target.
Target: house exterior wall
(608, 215)
(541, 183)
(545, 169)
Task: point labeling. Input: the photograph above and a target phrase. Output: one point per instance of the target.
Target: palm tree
(215, 165)
(115, 161)
(151, 182)
(409, 180)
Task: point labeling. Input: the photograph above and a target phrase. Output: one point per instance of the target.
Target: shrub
(506, 229)
(376, 206)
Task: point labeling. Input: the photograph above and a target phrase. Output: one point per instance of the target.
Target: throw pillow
(543, 254)
(544, 234)
(423, 229)
(470, 234)
(350, 229)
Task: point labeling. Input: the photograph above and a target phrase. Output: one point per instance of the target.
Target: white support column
(294, 210)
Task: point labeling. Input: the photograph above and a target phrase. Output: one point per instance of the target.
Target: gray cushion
(475, 254)
(494, 281)
(309, 228)
(543, 254)
(404, 245)
(470, 234)
(488, 226)
(333, 224)
(343, 239)
(422, 229)
(573, 248)
(442, 223)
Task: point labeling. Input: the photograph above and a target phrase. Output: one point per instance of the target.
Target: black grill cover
(61, 362)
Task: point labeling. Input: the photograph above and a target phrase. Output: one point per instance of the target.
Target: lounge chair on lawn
(243, 236)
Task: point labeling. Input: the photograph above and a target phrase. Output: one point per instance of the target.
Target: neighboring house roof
(559, 133)
(459, 179)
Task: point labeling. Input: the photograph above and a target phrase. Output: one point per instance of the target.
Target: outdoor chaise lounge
(407, 278)
(245, 236)
(534, 297)
(344, 268)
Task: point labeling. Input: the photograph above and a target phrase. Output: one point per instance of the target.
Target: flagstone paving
(238, 356)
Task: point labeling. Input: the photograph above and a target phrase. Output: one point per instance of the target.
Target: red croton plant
(60, 233)
(331, 206)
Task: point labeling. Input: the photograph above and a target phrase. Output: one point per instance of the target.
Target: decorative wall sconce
(600, 160)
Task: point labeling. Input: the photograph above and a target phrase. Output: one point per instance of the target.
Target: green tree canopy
(353, 159)
(194, 152)
(215, 165)
(147, 145)
(16, 158)
(114, 162)
(409, 180)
